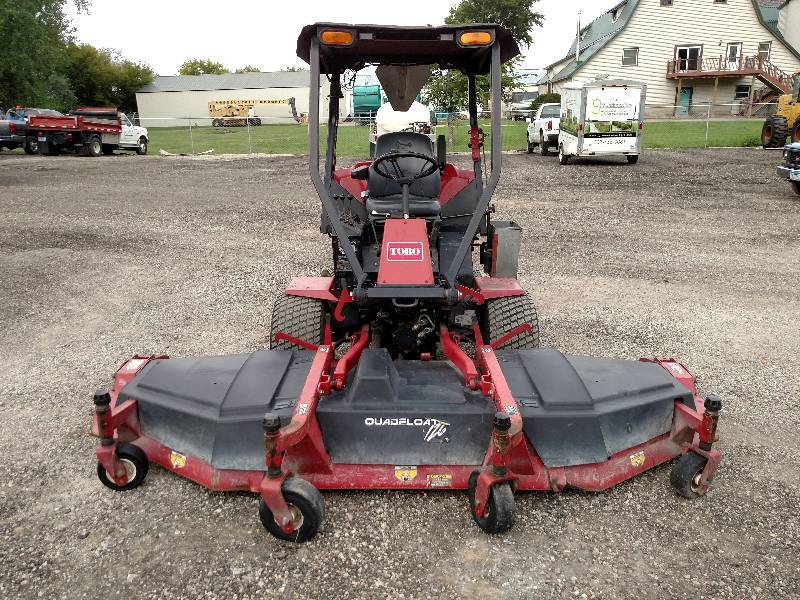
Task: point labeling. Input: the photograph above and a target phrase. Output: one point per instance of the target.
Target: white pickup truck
(543, 128)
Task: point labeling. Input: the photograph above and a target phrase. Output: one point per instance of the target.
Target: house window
(630, 57)
(666, 2)
(720, 1)
(764, 50)
(742, 92)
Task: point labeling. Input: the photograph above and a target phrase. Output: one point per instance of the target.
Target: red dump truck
(87, 130)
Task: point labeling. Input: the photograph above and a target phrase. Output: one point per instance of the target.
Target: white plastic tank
(388, 120)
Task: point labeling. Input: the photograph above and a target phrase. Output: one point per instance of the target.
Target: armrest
(361, 173)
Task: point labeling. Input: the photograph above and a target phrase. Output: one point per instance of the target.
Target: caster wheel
(307, 507)
(136, 465)
(501, 510)
(686, 473)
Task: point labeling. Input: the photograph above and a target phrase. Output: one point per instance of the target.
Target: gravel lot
(693, 254)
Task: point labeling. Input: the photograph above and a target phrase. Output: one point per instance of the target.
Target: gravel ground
(693, 254)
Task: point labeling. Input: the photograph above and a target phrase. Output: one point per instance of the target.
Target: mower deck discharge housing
(404, 365)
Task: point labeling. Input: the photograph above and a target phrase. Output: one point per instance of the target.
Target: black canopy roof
(384, 44)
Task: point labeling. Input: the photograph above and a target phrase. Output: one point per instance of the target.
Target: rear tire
(686, 473)
(544, 148)
(796, 186)
(305, 502)
(563, 159)
(31, 145)
(633, 159)
(530, 145)
(774, 132)
(505, 314)
(299, 317)
(501, 510)
(95, 146)
(108, 149)
(141, 148)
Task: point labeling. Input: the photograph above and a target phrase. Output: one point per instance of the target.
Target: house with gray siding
(735, 54)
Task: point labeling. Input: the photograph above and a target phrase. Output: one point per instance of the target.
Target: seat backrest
(404, 141)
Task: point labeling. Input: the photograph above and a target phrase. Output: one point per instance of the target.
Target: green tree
(33, 34)
(199, 66)
(248, 69)
(104, 77)
(447, 90)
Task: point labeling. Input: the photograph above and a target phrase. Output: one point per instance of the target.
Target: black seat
(386, 196)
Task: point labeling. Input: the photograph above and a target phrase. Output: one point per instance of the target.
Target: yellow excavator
(238, 113)
(785, 121)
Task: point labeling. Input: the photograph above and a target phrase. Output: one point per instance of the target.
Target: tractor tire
(136, 465)
(774, 132)
(95, 146)
(544, 147)
(505, 314)
(501, 510)
(301, 318)
(141, 147)
(685, 475)
(307, 506)
(796, 131)
(31, 145)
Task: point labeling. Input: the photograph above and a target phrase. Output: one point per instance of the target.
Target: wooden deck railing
(755, 66)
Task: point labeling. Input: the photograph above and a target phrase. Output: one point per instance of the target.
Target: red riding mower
(405, 368)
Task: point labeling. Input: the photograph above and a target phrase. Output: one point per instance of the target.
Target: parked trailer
(89, 131)
(602, 118)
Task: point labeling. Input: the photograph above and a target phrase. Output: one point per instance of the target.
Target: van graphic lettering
(404, 251)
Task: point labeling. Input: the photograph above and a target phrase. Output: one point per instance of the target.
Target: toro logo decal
(404, 251)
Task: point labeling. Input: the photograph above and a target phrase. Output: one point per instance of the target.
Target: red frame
(298, 448)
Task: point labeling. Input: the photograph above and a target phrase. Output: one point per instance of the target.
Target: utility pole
(578, 40)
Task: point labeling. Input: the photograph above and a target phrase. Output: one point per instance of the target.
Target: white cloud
(165, 33)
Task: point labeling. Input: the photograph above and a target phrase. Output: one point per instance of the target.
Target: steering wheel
(399, 176)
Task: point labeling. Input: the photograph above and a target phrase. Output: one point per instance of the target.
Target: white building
(689, 52)
(181, 99)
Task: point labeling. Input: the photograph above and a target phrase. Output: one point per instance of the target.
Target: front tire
(501, 509)
(307, 507)
(141, 148)
(686, 473)
(299, 317)
(774, 132)
(563, 159)
(136, 465)
(505, 314)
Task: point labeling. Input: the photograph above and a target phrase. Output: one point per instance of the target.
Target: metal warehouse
(182, 99)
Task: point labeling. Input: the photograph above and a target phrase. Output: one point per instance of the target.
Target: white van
(601, 118)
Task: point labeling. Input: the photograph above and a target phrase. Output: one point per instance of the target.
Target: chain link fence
(665, 126)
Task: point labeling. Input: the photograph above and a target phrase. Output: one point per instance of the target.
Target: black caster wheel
(136, 465)
(686, 474)
(501, 510)
(307, 507)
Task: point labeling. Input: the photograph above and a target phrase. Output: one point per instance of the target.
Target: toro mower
(411, 364)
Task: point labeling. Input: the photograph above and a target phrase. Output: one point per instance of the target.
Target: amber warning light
(336, 38)
(475, 38)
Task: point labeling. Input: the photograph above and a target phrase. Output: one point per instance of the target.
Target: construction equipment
(786, 120)
(404, 367)
(239, 113)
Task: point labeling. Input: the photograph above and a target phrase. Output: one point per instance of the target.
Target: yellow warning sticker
(405, 473)
(637, 460)
(177, 460)
(440, 480)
